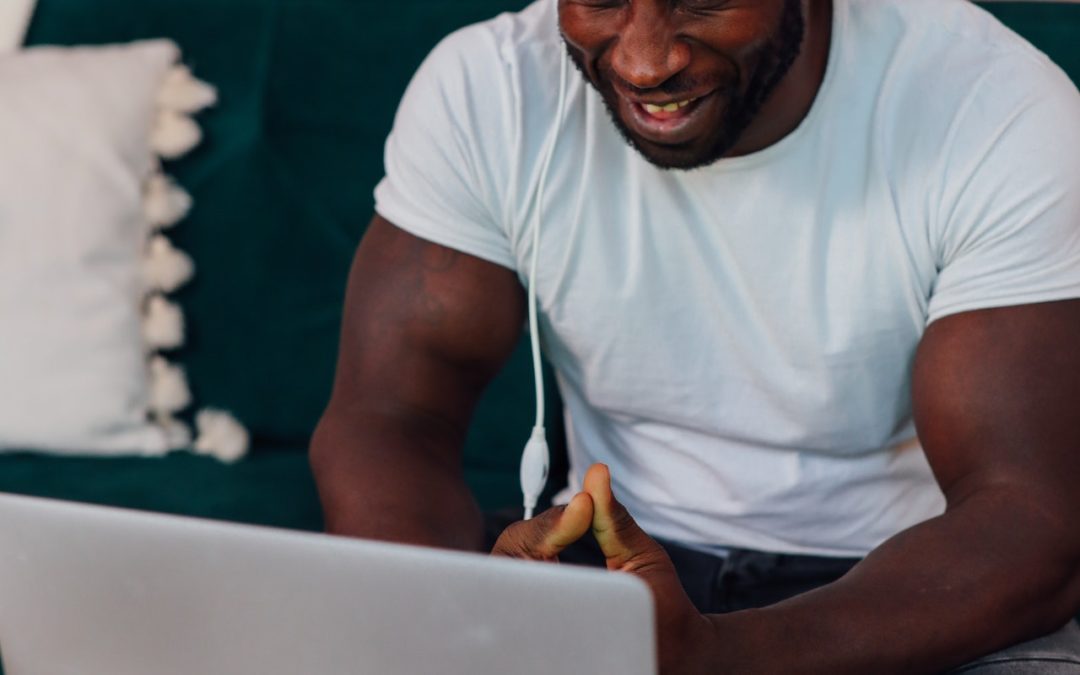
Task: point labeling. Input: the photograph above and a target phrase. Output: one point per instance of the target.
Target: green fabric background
(282, 188)
(282, 183)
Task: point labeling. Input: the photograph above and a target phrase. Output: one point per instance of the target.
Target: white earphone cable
(536, 457)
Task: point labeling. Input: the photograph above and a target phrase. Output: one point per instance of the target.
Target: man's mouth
(666, 111)
(669, 122)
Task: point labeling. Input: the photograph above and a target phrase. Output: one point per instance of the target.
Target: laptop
(96, 590)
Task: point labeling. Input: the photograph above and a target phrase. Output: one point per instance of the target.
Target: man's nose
(648, 51)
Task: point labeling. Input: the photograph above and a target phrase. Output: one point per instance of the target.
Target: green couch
(282, 188)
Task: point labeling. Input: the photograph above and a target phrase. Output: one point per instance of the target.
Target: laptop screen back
(86, 589)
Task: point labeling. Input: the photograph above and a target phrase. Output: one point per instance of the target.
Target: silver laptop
(93, 590)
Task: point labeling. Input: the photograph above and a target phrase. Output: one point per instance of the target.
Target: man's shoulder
(948, 41)
(491, 86)
(961, 21)
(513, 43)
(948, 73)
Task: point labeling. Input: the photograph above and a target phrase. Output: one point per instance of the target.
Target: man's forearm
(980, 578)
(380, 478)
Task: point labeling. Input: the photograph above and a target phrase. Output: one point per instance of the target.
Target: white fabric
(736, 341)
(14, 20)
(75, 127)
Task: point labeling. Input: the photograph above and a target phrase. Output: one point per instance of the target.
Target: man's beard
(773, 63)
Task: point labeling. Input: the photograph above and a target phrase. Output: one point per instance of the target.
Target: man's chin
(671, 157)
(680, 157)
(690, 154)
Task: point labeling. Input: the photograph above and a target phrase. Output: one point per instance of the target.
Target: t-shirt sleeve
(445, 158)
(1009, 222)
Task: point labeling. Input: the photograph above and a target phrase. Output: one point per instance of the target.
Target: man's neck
(793, 98)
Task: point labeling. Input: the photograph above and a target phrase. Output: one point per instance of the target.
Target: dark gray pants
(1055, 654)
(748, 579)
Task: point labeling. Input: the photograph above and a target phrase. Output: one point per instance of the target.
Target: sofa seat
(273, 486)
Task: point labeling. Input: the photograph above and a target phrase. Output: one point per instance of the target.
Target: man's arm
(996, 396)
(996, 400)
(425, 329)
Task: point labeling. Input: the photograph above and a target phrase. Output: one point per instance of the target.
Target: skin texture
(995, 394)
(425, 328)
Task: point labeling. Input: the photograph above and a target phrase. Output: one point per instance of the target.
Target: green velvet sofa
(282, 188)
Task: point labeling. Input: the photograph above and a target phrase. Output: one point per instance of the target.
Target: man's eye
(704, 5)
(600, 4)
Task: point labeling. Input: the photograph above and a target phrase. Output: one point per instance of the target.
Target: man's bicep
(996, 395)
(425, 326)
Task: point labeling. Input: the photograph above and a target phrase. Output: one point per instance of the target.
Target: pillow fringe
(169, 392)
(175, 134)
(166, 268)
(220, 436)
(183, 92)
(164, 202)
(163, 324)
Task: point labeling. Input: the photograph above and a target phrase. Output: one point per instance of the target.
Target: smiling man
(808, 274)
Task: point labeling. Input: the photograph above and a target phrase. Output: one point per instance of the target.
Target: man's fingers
(575, 521)
(548, 534)
(628, 549)
(619, 536)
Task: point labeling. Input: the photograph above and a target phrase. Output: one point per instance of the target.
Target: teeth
(669, 107)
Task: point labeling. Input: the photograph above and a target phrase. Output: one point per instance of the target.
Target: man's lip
(660, 100)
(673, 131)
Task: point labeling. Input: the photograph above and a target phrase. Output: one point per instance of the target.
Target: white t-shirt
(736, 341)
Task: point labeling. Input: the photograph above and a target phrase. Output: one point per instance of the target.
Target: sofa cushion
(271, 487)
(80, 149)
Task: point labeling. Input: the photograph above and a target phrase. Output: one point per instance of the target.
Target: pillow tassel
(169, 392)
(174, 134)
(183, 92)
(165, 267)
(177, 434)
(220, 436)
(164, 203)
(163, 324)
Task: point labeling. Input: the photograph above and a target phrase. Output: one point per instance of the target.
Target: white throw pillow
(14, 20)
(81, 131)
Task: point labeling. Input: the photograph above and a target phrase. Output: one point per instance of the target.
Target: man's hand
(681, 630)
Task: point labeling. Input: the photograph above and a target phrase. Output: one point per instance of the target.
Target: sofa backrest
(1053, 27)
(282, 185)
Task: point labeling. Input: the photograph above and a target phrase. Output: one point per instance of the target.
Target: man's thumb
(548, 534)
(620, 538)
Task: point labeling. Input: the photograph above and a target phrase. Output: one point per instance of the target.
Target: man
(808, 273)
